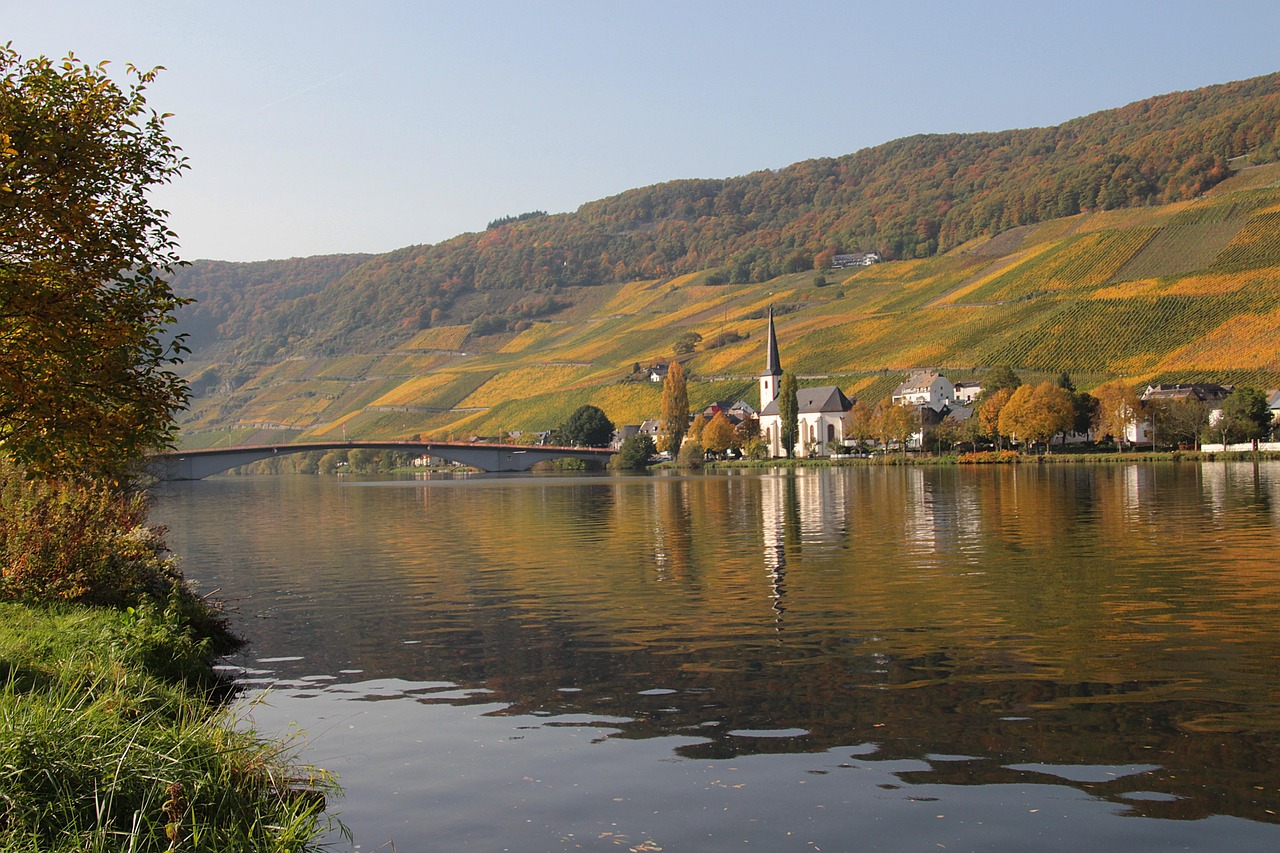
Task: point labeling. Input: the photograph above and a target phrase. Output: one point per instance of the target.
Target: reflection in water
(1104, 631)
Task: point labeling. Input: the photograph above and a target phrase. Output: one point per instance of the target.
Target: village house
(967, 392)
(925, 388)
(657, 372)
(1139, 429)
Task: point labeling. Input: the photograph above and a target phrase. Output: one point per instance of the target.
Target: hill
(1167, 265)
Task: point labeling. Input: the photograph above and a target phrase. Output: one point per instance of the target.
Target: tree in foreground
(588, 426)
(675, 410)
(85, 261)
(896, 423)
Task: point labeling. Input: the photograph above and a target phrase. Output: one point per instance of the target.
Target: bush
(691, 454)
(83, 543)
(66, 541)
(989, 457)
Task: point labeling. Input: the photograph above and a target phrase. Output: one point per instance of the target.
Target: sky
(331, 127)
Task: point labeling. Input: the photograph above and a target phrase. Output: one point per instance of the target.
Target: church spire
(772, 369)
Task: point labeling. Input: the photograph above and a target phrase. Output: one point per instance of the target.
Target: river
(1031, 658)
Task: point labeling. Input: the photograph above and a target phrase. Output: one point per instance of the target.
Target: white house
(967, 392)
(925, 388)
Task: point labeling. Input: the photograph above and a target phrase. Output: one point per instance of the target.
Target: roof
(1206, 391)
(919, 381)
(823, 400)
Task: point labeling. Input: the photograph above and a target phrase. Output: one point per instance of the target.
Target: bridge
(198, 464)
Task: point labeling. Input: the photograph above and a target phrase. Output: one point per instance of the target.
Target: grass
(114, 732)
(101, 750)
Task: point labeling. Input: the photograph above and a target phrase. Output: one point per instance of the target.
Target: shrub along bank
(116, 734)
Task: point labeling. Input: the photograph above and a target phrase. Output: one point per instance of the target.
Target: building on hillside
(657, 372)
(925, 388)
(855, 259)
(1273, 403)
(736, 412)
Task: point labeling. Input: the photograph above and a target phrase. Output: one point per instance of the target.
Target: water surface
(1029, 658)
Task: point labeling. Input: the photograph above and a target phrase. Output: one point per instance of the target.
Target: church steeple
(772, 368)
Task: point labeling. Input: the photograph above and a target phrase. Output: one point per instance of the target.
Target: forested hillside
(1142, 242)
(911, 198)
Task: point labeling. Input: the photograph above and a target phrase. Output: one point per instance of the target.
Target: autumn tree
(1036, 413)
(988, 413)
(1118, 408)
(858, 422)
(717, 435)
(789, 414)
(895, 423)
(675, 410)
(85, 261)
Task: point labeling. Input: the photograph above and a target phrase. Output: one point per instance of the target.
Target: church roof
(822, 400)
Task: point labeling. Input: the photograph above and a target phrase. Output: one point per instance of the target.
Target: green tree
(1245, 416)
(998, 379)
(1084, 407)
(675, 410)
(588, 426)
(85, 260)
(635, 452)
(1181, 421)
(789, 414)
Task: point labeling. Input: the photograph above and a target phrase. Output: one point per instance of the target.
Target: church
(822, 410)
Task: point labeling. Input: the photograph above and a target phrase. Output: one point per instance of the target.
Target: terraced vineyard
(1186, 292)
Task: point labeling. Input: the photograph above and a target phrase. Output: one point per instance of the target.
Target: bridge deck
(200, 463)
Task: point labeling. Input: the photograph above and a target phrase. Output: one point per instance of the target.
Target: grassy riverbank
(116, 733)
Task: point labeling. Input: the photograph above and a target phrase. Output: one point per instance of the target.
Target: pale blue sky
(319, 127)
